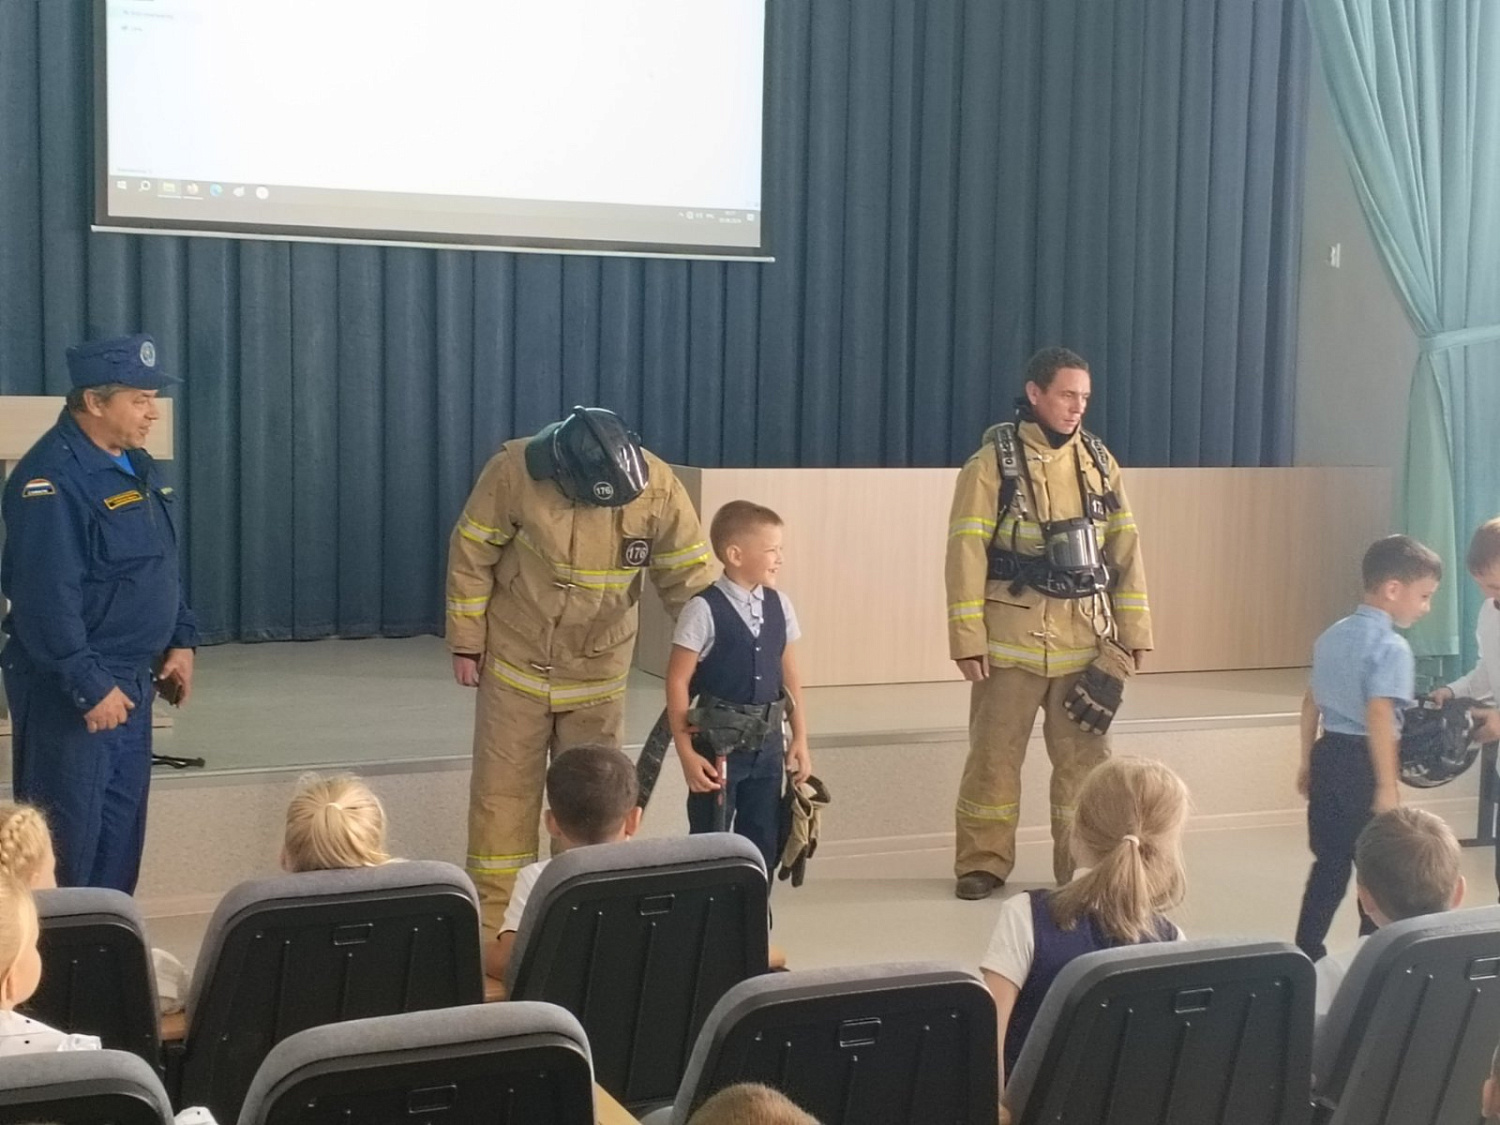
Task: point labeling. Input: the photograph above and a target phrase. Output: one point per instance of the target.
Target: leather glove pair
(805, 804)
(1095, 698)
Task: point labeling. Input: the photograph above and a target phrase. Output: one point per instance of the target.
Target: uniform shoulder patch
(38, 486)
(122, 499)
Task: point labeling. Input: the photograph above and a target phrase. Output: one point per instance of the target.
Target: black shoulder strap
(1104, 464)
(1010, 458)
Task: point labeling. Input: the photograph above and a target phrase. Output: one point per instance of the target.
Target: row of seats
(658, 948)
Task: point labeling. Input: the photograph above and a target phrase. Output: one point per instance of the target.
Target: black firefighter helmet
(592, 456)
(1437, 742)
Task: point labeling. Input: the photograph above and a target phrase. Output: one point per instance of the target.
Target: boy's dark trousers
(752, 797)
(1340, 791)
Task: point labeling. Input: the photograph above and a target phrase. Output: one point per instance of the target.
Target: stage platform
(381, 705)
(891, 755)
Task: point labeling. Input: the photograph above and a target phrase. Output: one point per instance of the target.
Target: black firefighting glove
(1096, 696)
(805, 803)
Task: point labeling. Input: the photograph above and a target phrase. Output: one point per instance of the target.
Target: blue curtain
(1416, 89)
(953, 184)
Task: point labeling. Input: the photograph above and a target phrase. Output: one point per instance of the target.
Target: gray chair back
(898, 1044)
(500, 1064)
(639, 940)
(98, 978)
(296, 951)
(1411, 1033)
(1212, 1032)
(82, 1088)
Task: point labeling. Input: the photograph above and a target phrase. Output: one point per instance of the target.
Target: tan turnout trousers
(1002, 709)
(515, 739)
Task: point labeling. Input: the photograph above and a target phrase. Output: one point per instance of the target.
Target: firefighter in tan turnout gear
(1046, 610)
(545, 569)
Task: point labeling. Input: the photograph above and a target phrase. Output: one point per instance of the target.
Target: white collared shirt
(695, 625)
(1482, 681)
(22, 1035)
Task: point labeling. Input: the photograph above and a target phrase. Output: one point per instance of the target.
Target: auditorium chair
(297, 951)
(1212, 1032)
(82, 1088)
(1414, 1025)
(899, 1044)
(97, 977)
(639, 940)
(503, 1064)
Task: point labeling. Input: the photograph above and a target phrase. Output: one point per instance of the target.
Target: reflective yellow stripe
(1062, 812)
(976, 525)
(512, 676)
(1130, 603)
(470, 528)
(468, 607)
(1120, 521)
(556, 695)
(1042, 659)
(588, 579)
(966, 611)
(986, 812)
(454, 611)
(498, 864)
(1023, 530)
(676, 560)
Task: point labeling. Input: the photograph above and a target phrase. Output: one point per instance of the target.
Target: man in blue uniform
(98, 621)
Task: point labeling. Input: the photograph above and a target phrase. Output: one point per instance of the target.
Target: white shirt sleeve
(1481, 681)
(695, 627)
(525, 880)
(1013, 944)
(793, 628)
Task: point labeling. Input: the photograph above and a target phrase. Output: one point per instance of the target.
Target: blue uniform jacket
(90, 564)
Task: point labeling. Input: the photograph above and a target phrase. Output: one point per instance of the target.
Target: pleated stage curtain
(953, 185)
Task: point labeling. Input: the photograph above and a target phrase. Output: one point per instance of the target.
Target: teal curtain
(1416, 89)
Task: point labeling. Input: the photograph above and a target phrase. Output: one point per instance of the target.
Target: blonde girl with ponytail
(1127, 840)
(333, 823)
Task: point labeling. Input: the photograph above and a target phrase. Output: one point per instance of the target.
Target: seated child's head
(1401, 575)
(1406, 864)
(747, 539)
(749, 1103)
(19, 928)
(591, 792)
(26, 846)
(333, 823)
(1127, 830)
(1483, 559)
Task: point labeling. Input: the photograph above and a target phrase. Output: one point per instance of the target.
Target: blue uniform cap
(127, 360)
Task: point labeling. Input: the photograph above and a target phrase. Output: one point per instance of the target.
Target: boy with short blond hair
(1407, 863)
(732, 654)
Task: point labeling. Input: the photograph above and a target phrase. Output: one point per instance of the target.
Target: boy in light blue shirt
(1363, 677)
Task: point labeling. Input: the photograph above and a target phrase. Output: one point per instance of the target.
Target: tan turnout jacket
(1045, 635)
(547, 589)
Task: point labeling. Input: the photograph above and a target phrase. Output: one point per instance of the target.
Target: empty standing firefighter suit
(1047, 611)
(544, 572)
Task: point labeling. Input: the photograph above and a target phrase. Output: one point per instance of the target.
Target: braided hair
(25, 842)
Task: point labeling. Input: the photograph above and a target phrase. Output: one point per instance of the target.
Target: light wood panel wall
(1245, 566)
(24, 418)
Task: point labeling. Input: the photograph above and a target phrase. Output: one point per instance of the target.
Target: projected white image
(605, 124)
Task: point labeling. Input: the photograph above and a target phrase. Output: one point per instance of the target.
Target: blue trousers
(92, 787)
(752, 798)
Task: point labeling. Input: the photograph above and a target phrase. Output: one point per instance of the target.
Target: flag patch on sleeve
(38, 486)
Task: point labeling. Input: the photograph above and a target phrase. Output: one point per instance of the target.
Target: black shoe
(977, 885)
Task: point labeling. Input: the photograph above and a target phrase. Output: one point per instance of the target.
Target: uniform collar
(738, 593)
(1375, 614)
(1036, 437)
(90, 456)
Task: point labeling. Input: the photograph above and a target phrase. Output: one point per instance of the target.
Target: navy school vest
(1054, 948)
(741, 667)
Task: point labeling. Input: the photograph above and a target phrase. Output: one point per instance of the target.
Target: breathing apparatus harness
(1071, 565)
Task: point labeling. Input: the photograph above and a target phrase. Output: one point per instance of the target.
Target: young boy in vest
(1363, 678)
(732, 655)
